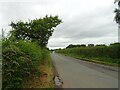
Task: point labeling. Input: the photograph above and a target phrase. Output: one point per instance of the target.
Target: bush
(104, 53)
(31, 49)
(22, 51)
(20, 61)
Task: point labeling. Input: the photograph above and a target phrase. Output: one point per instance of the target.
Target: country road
(81, 74)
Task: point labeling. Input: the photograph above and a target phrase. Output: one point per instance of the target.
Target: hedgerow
(109, 54)
(25, 49)
(20, 61)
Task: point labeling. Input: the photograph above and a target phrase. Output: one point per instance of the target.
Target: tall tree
(117, 12)
(117, 18)
(117, 15)
(38, 30)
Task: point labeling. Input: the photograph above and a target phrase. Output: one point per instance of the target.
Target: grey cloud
(96, 32)
(84, 28)
(84, 21)
(89, 28)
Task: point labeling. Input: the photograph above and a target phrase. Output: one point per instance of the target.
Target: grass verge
(93, 59)
(45, 79)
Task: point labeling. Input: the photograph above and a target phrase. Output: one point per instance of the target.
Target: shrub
(105, 53)
(20, 61)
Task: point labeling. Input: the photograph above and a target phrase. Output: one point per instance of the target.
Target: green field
(109, 55)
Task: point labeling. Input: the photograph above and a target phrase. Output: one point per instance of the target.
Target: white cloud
(84, 21)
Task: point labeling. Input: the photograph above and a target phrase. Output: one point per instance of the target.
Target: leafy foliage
(117, 15)
(104, 53)
(72, 46)
(38, 30)
(19, 62)
(25, 50)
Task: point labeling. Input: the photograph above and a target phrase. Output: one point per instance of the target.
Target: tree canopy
(117, 12)
(73, 46)
(117, 15)
(38, 30)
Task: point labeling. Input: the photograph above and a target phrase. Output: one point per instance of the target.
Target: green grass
(45, 79)
(108, 55)
(94, 59)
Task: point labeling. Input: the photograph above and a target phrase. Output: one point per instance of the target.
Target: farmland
(100, 53)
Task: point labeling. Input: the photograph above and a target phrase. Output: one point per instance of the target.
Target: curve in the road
(80, 74)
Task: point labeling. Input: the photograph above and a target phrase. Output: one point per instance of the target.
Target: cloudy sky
(84, 21)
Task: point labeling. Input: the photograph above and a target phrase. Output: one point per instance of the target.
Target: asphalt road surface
(82, 74)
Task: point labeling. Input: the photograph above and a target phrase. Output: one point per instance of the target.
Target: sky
(84, 21)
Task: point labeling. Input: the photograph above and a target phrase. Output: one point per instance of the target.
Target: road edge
(55, 72)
